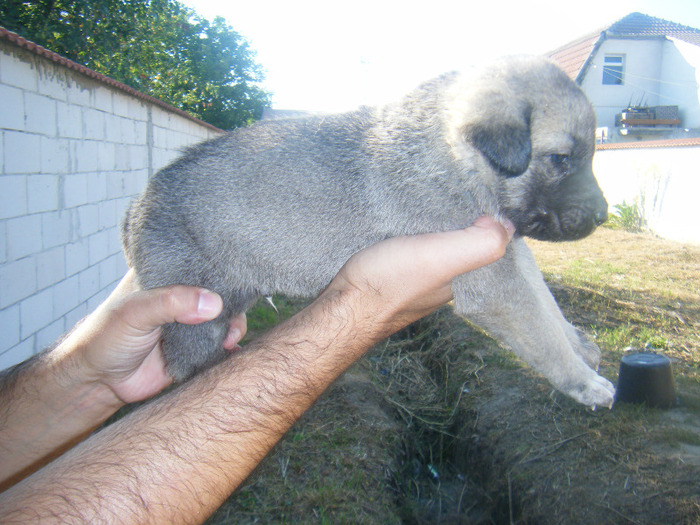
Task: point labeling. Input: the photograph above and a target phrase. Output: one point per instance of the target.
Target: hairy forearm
(112, 357)
(176, 459)
(45, 411)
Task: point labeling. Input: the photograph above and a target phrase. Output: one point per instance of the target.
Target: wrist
(374, 313)
(83, 388)
(356, 317)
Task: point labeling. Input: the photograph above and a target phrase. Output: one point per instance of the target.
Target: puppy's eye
(561, 163)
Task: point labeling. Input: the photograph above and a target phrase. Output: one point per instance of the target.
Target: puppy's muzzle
(601, 214)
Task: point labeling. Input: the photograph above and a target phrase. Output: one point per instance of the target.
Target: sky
(331, 55)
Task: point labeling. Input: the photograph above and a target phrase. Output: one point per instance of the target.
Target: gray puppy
(280, 206)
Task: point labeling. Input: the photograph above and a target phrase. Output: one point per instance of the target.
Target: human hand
(402, 279)
(118, 345)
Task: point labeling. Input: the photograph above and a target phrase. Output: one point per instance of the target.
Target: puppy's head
(535, 128)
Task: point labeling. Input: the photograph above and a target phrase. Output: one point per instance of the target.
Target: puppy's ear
(506, 144)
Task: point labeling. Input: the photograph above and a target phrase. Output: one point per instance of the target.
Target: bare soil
(440, 425)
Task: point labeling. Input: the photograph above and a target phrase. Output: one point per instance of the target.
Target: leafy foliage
(159, 47)
(626, 217)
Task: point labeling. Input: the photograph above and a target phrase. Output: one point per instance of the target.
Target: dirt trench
(519, 452)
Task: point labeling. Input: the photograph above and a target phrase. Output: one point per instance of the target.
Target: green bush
(626, 217)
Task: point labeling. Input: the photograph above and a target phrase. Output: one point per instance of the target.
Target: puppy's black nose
(601, 215)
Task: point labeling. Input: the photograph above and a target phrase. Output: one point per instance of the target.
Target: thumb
(482, 243)
(442, 256)
(150, 309)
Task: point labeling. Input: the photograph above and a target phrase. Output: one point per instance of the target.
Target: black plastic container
(646, 377)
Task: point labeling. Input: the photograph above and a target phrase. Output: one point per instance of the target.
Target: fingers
(464, 250)
(237, 329)
(438, 258)
(183, 304)
(125, 287)
(408, 277)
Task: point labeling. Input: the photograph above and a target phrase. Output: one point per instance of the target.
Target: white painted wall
(657, 73)
(663, 182)
(641, 84)
(73, 152)
(681, 68)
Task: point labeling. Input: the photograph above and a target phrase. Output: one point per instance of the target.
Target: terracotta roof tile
(572, 57)
(650, 144)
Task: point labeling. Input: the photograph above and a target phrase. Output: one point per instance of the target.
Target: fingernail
(209, 303)
(488, 221)
(231, 339)
(509, 226)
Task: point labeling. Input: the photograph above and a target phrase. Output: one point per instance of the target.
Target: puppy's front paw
(586, 349)
(593, 391)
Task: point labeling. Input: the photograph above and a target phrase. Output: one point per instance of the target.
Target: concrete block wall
(74, 151)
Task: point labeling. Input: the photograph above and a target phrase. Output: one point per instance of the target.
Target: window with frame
(613, 70)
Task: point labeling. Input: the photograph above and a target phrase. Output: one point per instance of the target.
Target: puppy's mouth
(567, 225)
(542, 225)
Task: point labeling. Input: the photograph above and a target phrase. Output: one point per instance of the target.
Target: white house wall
(641, 81)
(73, 153)
(658, 72)
(681, 85)
(662, 181)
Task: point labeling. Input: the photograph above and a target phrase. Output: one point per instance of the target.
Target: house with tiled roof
(642, 75)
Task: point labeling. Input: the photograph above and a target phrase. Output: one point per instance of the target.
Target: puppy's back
(269, 208)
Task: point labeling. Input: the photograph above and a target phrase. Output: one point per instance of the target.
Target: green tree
(159, 47)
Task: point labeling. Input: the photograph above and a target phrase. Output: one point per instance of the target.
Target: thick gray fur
(280, 206)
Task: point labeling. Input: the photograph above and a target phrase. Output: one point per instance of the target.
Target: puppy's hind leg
(189, 349)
